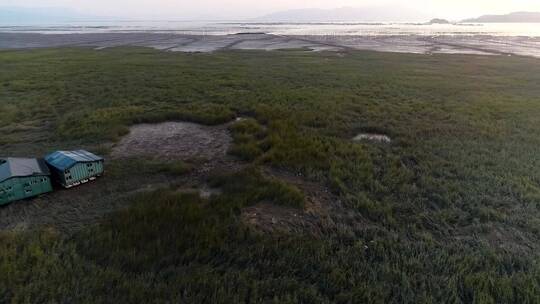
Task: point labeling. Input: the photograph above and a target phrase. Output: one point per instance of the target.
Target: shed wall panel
(24, 187)
(79, 172)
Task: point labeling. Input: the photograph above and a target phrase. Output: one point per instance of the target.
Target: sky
(238, 9)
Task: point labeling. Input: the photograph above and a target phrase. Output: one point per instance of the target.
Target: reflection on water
(320, 29)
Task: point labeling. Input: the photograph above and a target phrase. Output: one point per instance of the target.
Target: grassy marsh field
(448, 212)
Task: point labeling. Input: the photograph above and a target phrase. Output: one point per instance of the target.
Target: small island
(439, 21)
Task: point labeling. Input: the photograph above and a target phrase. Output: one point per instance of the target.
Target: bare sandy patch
(373, 137)
(174, 140)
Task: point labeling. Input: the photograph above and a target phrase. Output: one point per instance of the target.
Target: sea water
(326, 29)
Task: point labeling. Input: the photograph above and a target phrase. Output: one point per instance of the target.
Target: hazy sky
(456, 9)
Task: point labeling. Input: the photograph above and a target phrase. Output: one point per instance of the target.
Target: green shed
(71, 168)
(22, 178)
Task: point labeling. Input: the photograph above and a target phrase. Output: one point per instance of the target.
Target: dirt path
(68, 210)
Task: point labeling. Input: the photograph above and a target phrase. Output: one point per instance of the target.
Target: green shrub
(246, 151)
(250, 187)
(249, 139)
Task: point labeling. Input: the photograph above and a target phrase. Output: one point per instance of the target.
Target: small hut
(71, 168)
(22, 178)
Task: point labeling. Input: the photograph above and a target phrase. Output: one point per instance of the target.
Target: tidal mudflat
(421, 44)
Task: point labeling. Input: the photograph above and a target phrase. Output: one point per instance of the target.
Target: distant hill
(439, 21)
(345, 14)
(19, 15)
(517, 17)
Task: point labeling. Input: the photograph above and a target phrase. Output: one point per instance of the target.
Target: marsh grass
(449, 208)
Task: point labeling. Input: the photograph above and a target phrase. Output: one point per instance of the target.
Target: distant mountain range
(517, 17)
(345, 14)
(31, 16)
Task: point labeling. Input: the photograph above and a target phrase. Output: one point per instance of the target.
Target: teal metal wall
(79, 173)
(18, 188)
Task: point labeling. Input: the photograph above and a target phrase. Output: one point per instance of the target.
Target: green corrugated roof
(22, 167)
